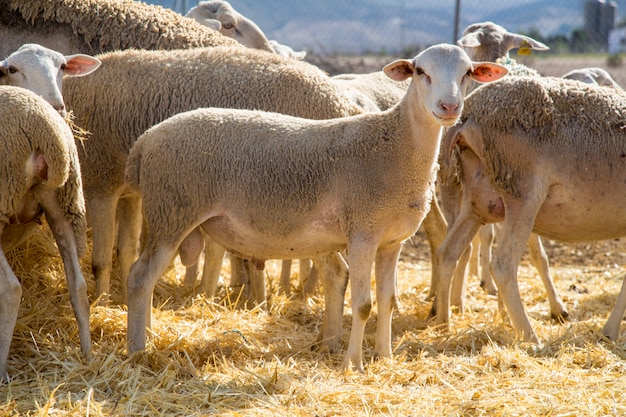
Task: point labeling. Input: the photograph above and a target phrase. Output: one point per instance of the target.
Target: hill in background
(358, 26)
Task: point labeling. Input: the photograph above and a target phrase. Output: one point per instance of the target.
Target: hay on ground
(208, 357)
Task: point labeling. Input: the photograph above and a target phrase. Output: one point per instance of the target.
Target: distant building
(617, 40)
(600, 18)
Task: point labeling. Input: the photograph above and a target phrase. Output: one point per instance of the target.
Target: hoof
(492, 291)
(561, 318)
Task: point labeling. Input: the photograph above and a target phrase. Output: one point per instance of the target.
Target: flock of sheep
(198, 141)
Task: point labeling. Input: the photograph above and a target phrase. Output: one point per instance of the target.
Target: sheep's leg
(539, 259)
(333, 273)
(308, 277)
(386, 277)
(475, 255)
(238, 272)
(436, 228)
(101, 215)
(10, 296)
(16, 234)
(456, 242)
(191, 274)
(129, 230)
(486, 242)
(512, 242)
(611, 327)
(305, 273)
(64, 236)
(479, 250)
(142, 279)
(304, 270)
(257, 286)
(459, 280)
(285, 276)
(213, 258)
(361, 254)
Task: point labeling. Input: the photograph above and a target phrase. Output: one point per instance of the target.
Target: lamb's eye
(228, 25)
(12, 70)
(63, 66)
(469, 73)
(419, 71)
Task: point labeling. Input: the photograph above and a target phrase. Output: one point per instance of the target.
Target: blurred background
(361, 35)
(393, 26)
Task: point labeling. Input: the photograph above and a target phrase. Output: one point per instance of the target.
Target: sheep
(542, 155)
(371, 92)
(384, 93)
(134, 90)
(221, 16)
(96, 26)
(493, 42)
(40, 175)
(267, 186)
(41, 70)
(90, 26)
(487, 41)
(592, 75)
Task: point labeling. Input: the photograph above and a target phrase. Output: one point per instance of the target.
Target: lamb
(221, 16)
(592, 75)
(41, 175)
(134, 90)
(41, 70)
(542, 155)
(301, 188)
(384, 93)
(96, 26)
(371, 92)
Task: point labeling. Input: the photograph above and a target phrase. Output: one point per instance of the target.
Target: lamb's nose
(449, 107)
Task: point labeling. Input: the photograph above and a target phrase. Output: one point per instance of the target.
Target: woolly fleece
(31, 125)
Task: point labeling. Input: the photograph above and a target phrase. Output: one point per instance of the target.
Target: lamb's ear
(399, 70)
(80, 64)
(485, 72)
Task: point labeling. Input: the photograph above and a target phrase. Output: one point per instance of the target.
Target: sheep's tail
(132, 173)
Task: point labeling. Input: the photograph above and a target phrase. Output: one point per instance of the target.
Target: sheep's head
(221, 16)
(487, 41)
(440, 76)
(41, 71)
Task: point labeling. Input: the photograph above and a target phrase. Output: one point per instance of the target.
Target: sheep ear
(469, 41)
(485, 72)
(80, 64)
(211, 23)
(525, 44)
(399, 70)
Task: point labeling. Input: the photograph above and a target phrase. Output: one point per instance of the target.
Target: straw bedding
(211, 358)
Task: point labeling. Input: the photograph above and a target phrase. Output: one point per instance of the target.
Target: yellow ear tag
(525, 48)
